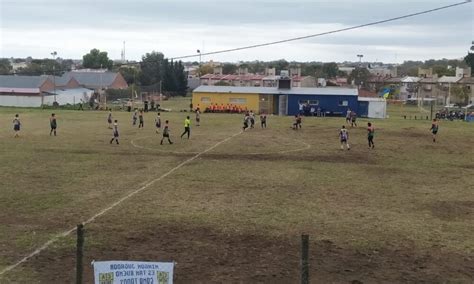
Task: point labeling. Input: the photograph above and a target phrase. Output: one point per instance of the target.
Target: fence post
(304, 259)
(79, 253)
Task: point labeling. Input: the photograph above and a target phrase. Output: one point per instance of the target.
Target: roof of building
(91, 78)
(71, 92)
(429, 80)
(274, 90)
(467, 80)
(371, 99)
(449, 79)
(26, 82)
(410, 79)
(393, 80)
(248, 77)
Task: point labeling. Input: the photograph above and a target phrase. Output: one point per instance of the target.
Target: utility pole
(199, 74)
(358, 70)
(54, 53)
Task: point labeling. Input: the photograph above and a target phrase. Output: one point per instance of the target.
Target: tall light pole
(360, 59)
(358, 69)
(199, 52)
(54, 53)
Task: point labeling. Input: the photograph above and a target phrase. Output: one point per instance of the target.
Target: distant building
(463, 72)
(71, 87)
(24, 91)
(425, 72)
(96, 79)
(382, 71)
(251, 80)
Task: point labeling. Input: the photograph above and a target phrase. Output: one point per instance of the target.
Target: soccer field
(229, 206)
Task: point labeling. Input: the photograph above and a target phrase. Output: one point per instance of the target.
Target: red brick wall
(72, 83)
(47, 86)
(119, 82)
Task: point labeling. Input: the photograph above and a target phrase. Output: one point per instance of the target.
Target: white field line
(134, 144)
(306, 146)
(113, 205)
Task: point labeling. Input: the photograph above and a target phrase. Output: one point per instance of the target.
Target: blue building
(284, 99)
(330, 100)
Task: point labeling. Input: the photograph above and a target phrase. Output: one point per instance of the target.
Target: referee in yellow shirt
(187, 127)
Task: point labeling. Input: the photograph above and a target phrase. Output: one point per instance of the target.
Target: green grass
(408, 192)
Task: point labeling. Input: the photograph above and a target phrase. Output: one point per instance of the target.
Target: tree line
(153, 72)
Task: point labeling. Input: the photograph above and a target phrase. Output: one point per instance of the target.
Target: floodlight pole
(54, 53)
(199, 52)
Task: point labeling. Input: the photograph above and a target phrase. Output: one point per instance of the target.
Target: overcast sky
(179, 27)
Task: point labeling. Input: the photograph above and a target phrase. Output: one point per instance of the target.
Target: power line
(324, 33)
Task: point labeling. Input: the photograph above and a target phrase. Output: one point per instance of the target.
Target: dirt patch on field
(301, 157)
(204, 255)
(451, 210)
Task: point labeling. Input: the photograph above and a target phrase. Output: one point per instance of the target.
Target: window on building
(311, 102)
(205, 100)
(238, 101)
(343, 103)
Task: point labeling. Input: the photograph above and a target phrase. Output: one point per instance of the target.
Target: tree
(181, 79)
(205, 69)
(222, 83)
(279, 65)
(5, 67)
(151, 68)
(256, 67)
(359, 76)
(130, 74)
(97, 59)
(461, 94)
(169, 78)
(41, 67)
(229, 68)
(469, 59)
(330, 70)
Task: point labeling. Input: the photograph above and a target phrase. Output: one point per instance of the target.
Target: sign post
(139, 272)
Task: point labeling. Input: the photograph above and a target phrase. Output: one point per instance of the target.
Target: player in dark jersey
(158, 123)
(109, 119)
(263, 120)
(434, 129)
(16, 125)
(370, 135)
(140, 119)
(53, 123)
(166, 133)
(115, 133)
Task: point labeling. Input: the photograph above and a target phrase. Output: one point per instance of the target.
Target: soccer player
(53, 123)
(198, 117)
(353, 119)
(370, 135)
(140, 119)
(297, 123)
(252, 119)
(187, 127)
(134, 118)
(166, 133)
(16, 125)
(109, 119)
(434, 129)
(263, 120)
(158, 123)
(246, 121)
(115, 133)
(348, 116)
(344, 137)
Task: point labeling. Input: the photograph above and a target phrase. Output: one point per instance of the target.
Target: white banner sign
(133, 272)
